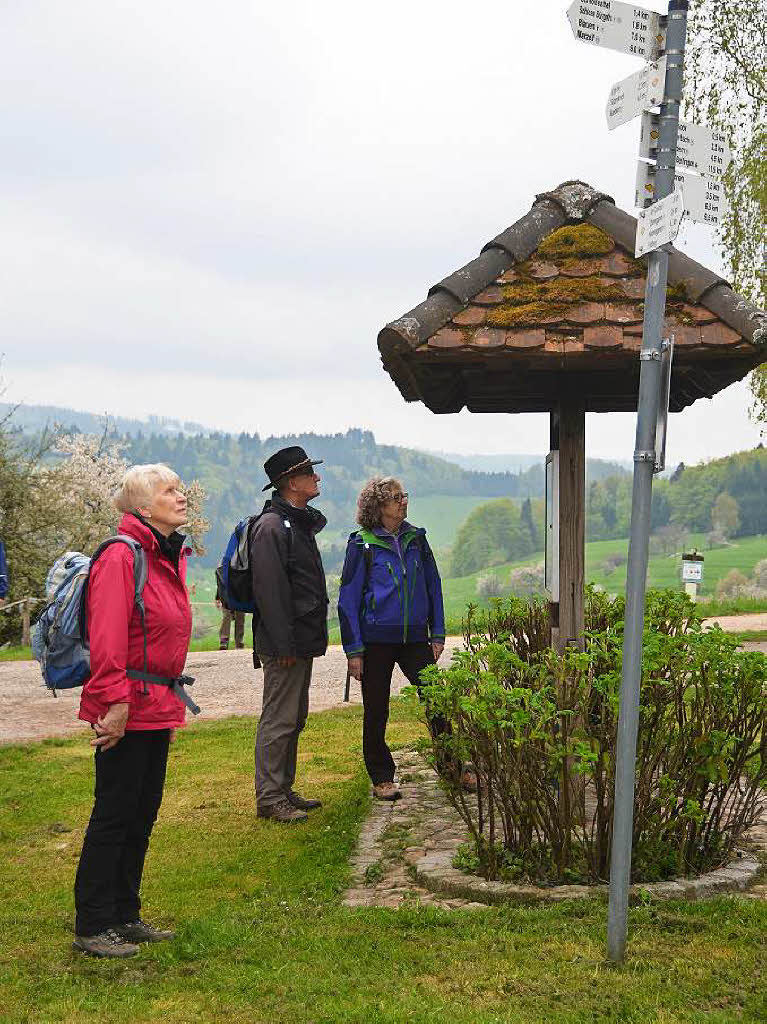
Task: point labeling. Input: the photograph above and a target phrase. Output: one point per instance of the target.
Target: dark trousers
(377, 668)
(129, 783)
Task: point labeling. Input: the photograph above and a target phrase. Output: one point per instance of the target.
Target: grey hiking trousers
(283, 716)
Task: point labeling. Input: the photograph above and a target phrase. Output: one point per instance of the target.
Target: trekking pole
(348, 686)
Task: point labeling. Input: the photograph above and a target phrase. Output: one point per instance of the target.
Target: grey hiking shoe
(283, 811)
(140, 931)
(302, 803)
(107, 944)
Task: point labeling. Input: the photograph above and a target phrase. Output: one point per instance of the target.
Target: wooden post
(26, 639)
(572, 520)
(554, 605)
(568, 429)
(568, 436)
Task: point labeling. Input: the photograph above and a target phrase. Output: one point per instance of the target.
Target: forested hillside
(690, 498)
(723, 499)
(231, 469)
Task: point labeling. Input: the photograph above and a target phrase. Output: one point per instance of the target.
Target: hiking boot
(140, 931)
(240, 647)
(283, 811)
(224, 645)
(302, 803)
(469, 780)
(386, 791)
(109, 944)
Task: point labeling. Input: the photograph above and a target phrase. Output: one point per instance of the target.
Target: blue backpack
(60, 635)
(234, 575)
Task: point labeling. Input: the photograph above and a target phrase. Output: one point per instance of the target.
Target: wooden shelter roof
(553, 306)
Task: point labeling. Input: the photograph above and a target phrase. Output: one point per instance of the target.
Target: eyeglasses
(400, 498)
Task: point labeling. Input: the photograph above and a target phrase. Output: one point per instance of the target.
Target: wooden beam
(554, 605)
(572, 518)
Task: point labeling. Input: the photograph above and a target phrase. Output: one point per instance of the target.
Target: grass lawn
(262, 936)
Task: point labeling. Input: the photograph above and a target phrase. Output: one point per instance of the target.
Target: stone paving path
(398, 837)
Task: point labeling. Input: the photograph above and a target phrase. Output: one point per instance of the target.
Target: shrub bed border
(435, 872)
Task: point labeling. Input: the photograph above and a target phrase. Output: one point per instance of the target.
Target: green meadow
(262, 936)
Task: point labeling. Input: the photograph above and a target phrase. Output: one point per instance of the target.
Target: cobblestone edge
(435, 872)
(405, 852)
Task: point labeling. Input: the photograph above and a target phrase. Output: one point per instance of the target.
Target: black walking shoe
(386, 791)
(109, 944)
(302, 803)
(140, 931)
(283, 811)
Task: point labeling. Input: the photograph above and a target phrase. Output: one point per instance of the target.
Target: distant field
(663, 570)
(443, 515)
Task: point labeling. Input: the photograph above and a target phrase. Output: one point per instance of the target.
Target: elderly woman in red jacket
(134, 720)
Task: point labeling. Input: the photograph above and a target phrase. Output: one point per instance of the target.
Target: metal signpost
(619, 27)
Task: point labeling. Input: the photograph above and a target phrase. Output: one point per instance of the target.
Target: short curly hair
(376, 492)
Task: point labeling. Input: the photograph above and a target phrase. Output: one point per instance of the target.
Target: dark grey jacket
(289, 582)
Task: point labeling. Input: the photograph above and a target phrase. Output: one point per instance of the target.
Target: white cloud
(215, 204)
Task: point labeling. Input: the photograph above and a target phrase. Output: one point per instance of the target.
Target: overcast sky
(210, 210)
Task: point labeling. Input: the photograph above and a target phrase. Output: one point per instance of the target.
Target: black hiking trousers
(129, 784)
(377, 668)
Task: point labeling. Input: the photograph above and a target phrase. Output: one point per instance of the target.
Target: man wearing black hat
(291, 597)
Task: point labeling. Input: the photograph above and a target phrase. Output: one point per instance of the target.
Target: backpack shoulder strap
(139, 563)
(140, 570)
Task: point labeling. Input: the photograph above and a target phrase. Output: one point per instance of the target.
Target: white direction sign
(659, 224)
(698, 148)
(704, 199)
(636, 93)
(617, 26)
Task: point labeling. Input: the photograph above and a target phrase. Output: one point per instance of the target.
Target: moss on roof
(576, 240)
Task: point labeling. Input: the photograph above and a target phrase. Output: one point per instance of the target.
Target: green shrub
(540, 729)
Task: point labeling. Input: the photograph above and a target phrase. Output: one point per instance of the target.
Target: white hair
(140, 483)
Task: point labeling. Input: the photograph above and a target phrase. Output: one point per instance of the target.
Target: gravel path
(225, 684)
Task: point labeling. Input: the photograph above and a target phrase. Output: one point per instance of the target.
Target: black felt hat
(285, 462)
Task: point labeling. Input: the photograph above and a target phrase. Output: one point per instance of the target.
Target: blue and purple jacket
(390, 592)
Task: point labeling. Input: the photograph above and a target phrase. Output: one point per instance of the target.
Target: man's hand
(286, 661)
(218, 604)
(110, 728)
(355, 668)
(171, 735)
(437, 649)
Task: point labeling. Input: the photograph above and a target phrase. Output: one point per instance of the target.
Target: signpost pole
(644, 464)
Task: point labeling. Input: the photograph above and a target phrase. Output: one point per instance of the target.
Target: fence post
(26, 640)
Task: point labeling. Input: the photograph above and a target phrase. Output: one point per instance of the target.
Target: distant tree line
(724, 498)
(231, 469)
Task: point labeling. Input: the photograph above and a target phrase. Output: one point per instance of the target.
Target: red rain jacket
(117, 639)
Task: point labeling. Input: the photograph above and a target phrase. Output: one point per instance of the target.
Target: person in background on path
(226, 618)
(4, 582)
(134, 721)
(391, 613)
(292, 627)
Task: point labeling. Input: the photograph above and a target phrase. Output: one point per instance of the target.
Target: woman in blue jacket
(390, 611)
